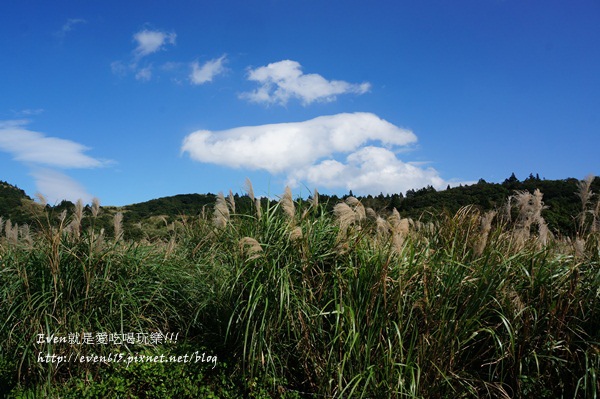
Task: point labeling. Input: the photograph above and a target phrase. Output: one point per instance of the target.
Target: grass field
(294, 301)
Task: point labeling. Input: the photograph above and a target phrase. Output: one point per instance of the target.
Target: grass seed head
(250, 248)
(296, 234)
(344, 215)
(249, 189)
(258, 208)
(221, 212)
(287, 203)
(95, 207)
(231, 201)
(118, 226)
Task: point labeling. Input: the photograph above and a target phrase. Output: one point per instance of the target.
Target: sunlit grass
(350, 304)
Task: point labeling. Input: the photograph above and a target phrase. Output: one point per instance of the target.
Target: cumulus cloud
(41, 153)
(284, 80)
(151, 41)
(206, 72)
(286, 146)
(370, 170)
(309, 151)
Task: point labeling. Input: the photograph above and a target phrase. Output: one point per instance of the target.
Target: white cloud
(307, 151)
(284, 80)
(370, 170)
(151, 41)
(41, 152)
(148, 42)
(284, 147)
(144, 74)
(56, 186)
(33, 147)
(206, 73)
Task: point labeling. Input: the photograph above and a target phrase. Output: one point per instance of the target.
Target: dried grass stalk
(11, 232)
(231, 202)
(371, 214)
(221, 212)
(296, 234)
(95, 207)
(250, 248)
(75, 225)
(314, 201)
(258, 208)
(42, 199)
(344, 215)
(118, 226)
(484, 230)
(358, 208)
(585, 194)
(287, 204)
(249, 189)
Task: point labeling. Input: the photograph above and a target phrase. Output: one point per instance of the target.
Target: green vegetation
(309, 298)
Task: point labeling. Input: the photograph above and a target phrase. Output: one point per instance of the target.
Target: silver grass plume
(42, 199)
(530, 208)
(249, 189)
(231, 202)
(255, 201)
(543, 234)
(344, 215)
(287, 203)
(595, 214)
(585, 194)
(258, 208)
(11, 232)
(296, 234)
(1, 224)
(25, 234)
(399, 228)
(357, 207)
(398, 225)
(371, 214)
(584, 191)
(314, 201)
(394, 218)
(221, 212)
(95, 207)
(118, 226)
(484, 231)
(383, 227)
(75, 225)
(250, 247)
(62, 217)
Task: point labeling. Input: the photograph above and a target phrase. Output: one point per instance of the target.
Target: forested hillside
(151, 218)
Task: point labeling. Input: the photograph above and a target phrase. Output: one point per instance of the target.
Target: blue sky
(130, 101)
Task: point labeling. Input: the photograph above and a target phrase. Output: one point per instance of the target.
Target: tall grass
(349, 304)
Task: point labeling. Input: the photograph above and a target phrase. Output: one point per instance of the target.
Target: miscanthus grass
(299, 302)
